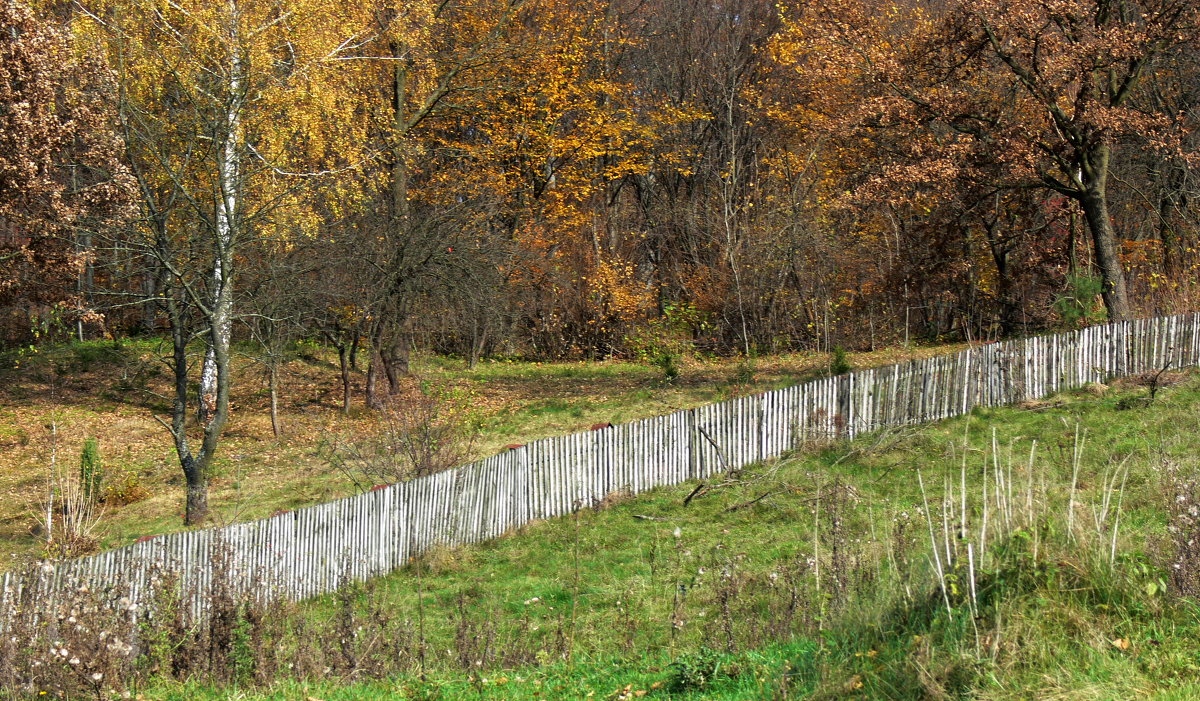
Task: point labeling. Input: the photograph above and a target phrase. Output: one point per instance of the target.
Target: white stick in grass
(1075, 456)
(817, 541)
(1008, 499)
(1029, 500)
(933, 543)
(974, 601)
(962, 494)
(1112, 553)
(947, 501)
(983, 526)
(997, 474)
(1029, 483)
(971, 573)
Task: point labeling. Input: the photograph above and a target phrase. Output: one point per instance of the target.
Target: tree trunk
(229, 174)
(1004, 284)
(197, 495)
(344, 367)
(373, 401)
(395, 363)
(1166, 235)
(1108, 259)
(478, 343)
(373, 365)
(150, 306)
(273, 384)
(193, 469)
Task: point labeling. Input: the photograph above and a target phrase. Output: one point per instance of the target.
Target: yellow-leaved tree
(230, 112)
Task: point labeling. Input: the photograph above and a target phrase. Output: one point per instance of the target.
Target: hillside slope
(1067, 575)
(53, 400)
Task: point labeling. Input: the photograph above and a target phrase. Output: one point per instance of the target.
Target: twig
(937, 558)
(165, 425)
(1076, 453)
(881, 438)
(574, 584)
(1154, 386)
(720, 453)
(1112, 555)
(764, 495)
(695, 493)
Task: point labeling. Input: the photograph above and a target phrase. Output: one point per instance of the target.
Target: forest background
(542, 179)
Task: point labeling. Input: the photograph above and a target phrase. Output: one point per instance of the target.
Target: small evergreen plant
(91, 472)
(839, 363)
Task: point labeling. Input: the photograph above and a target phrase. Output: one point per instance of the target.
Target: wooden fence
(317, 549)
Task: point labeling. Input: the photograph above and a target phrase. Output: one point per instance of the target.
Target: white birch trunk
(229, 169)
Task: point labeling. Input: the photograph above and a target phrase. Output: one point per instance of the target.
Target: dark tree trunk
(373, 401)
(479, 339)
(151, 284)
(345, 359)
(197, 495)
(1094, 204)
(196, 464)
(1005, 299)
(273, 384)
(395, 364)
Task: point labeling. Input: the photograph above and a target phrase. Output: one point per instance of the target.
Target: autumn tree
(497, 131)
(229, 111)
(423, 60)
(61, 178)
(278, 289)
(1008, 93)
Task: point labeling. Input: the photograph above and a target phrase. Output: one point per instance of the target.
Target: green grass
(757, 674)
(823, 588)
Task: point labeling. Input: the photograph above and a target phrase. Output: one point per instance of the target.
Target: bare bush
(422, 432)
(75, 643)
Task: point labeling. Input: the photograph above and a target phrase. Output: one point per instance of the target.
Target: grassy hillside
(54, 399)
(1068, 575)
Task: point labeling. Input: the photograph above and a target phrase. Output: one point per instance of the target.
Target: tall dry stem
(1112, 554)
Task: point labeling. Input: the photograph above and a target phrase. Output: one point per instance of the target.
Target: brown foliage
(60, 173)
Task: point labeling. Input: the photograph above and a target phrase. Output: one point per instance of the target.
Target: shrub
(669, 364)
(423, 432)
(695, 671)
(839, 363)
(1078, 306)
(91, 472)
(68, 515)
(663, 342)
(743, 374)
(124, 488)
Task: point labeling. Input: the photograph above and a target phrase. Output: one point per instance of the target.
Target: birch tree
(230, 111)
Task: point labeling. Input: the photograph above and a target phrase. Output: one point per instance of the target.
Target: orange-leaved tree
(1003, 95)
